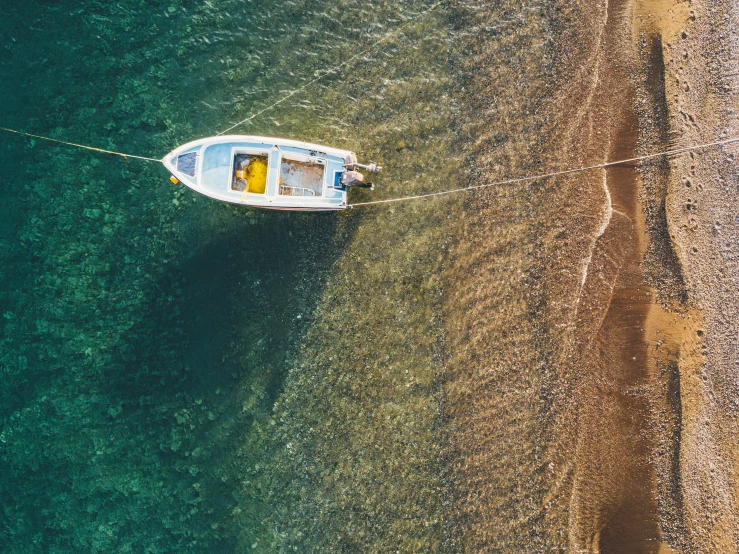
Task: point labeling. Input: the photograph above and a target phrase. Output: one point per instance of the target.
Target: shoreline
(575, 490)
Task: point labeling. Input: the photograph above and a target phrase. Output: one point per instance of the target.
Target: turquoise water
(147, 333)
(180, 375)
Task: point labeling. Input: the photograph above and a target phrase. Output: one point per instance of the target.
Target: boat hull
(262, 172)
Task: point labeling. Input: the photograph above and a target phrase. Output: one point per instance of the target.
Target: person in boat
(353, 178)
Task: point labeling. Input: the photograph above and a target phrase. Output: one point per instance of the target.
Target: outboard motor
(352, 177)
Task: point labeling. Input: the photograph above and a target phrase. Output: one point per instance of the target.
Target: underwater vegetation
(177, 374)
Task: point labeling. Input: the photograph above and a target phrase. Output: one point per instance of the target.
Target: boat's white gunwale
(272, 141)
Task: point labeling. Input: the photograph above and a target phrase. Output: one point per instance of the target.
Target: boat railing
(297, 191)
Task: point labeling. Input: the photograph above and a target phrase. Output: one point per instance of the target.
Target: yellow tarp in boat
(256, 176)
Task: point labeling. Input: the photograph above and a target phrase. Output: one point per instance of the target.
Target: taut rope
(552, 174)
(93, 148)
(334, 69)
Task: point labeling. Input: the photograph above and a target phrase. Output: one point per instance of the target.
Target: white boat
(267, 172)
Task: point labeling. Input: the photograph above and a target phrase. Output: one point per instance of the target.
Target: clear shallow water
(148, 333)
(181, 375)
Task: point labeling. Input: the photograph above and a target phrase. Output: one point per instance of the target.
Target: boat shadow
(236, 304)
(205, 367)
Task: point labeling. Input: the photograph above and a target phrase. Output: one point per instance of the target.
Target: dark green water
(180, 375)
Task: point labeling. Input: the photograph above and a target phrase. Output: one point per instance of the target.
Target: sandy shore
(700, 44)
(593, 372)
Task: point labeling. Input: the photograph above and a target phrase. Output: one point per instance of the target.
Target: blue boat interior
(253, 168)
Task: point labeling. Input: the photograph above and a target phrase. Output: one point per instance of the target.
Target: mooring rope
(551, 174)
(672, 152)
(334, 69)
(93, 148)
